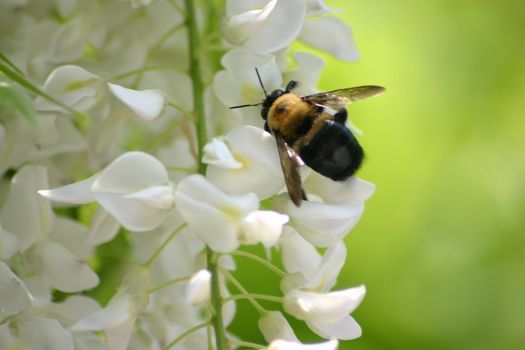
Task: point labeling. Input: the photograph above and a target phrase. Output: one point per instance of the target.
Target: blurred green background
(441, 247)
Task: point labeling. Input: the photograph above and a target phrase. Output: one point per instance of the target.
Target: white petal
(324, 224)
(298, 255)
(157, 197)
(74, 308)
(72, 85)
(8, 244)
(25, 213)
(71, 235)
(329, 268)
(14, 296)
(345, 329)
(309, 68)
(273, 326)
(75, 193)
(63, 270)
(39, 333)
(198, 290)
(341, 43)
(88, 341)
(317, 8)
(147, 104)
(353, 191)
(289, 345)
(263, 226)
(103, 228)
(7, 339)
(213, 215)
(130, 172)
(118, 337)
(216, 153)
(117, 312)
(39, 289)
(323, 307)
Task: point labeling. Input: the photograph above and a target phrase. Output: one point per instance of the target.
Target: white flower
(147, 104)
(134, 188)
(245, 160)
(118, 317)
(327, 314)
(290, 345)
(198, 290)
(8, 244)
(263, 26)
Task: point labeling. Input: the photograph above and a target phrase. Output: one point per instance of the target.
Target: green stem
(261, 261)
(185, 334)
(163, 245)
(243, 291)
(253, 296)
(198, 85)
(202, 136)
(169, 283)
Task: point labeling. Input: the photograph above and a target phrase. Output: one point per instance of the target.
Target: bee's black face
(268, 102)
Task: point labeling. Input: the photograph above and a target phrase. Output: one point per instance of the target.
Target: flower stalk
(200, 125)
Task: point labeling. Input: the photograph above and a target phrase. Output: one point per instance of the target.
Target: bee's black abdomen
(333, 152)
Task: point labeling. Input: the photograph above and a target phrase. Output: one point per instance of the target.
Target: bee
(311, 130)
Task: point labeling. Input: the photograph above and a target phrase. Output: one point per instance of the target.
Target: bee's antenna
(241, 106)
(260, 82)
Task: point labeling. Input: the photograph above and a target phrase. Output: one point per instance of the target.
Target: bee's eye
(280, 109)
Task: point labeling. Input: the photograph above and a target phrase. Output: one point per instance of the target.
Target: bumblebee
(311, 130)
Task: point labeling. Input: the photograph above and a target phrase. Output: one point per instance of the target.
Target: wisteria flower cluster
(115, 133)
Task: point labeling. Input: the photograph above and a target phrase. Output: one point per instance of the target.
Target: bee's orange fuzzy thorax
(287, 113)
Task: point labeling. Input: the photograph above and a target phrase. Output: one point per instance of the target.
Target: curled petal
(323, 307)
(341, 43)
(71, 85)
(273, 326)
(116, 313)
(353, 191)
(263, 226)
(198, 290)
(328, 270)
(147, 104)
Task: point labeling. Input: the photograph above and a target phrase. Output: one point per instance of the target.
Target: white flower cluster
(113, 150)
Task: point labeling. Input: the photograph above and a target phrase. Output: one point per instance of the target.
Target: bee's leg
(341, 116)
(304, 196)
(266, 127)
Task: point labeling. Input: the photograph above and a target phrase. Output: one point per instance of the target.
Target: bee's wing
(290, 163)
(339, 98)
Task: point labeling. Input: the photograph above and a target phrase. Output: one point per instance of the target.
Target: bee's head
(269, 100)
